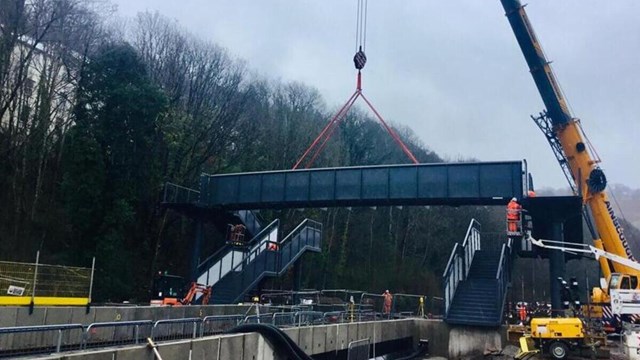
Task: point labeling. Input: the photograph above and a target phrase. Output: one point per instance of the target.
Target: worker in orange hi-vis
(513, 215)
(388, 299)
(522, 313)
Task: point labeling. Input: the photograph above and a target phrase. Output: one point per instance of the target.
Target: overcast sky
(450, 70)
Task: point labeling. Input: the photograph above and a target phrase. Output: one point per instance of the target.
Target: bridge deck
(488, 183)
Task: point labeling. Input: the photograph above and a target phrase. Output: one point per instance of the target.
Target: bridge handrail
(460, 260)
(179, 188)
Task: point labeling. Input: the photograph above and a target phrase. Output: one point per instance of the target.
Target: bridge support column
(195, 251)
(556, 270)
(297, 280)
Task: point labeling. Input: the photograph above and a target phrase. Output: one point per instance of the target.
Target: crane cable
(359, 60)
(361, 25)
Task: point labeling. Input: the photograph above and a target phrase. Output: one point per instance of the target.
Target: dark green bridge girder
(480, 183)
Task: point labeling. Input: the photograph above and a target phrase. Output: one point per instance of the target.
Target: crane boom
(588, 179)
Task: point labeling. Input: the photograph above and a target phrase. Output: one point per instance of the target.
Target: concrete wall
(444, 340)
(459, 342)
(19, 316)
(237, 347)
(312, 339)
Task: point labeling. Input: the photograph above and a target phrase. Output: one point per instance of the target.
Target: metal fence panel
(17, 279)
(358, 350)
(175, 329)
(116, 333)
(306, 318)
(28, 340)
(259, 319)
(218, 324)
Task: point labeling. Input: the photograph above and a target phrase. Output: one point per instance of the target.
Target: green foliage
(111, 170)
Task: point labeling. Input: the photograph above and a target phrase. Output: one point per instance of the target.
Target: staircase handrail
(460, 260)
(313, 224)
(211, 260)
(279, 268)
(303, 226)
(503, 275)
(178, 188)
(255, 252)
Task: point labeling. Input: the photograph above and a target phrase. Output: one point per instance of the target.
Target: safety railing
(291, 298)
(266, 318)
(371, 304)
(116, 333)
(334, 317)
(283, 319)
(306, 318)
(409, 305)
(436, 308)
(176, 194)
(227, 258)
(359, 349)
(503, 274)
(29, 340)
(175, 329)
(217, 324)
(460, 261)
(335, 296)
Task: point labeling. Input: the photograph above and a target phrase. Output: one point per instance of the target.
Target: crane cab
(619, 281)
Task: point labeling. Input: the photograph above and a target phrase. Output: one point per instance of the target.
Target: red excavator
(168, 290)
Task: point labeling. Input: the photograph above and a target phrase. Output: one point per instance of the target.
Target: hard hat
(514, 199)
(386, 291)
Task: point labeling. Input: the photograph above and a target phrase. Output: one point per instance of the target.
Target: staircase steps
(474, 302)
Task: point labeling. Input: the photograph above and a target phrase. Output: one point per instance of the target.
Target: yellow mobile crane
(576, 157)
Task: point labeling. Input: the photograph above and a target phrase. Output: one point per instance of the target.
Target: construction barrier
(116, 333)
(217, 324)
(30, 340)
(358, 350)
(46, 285)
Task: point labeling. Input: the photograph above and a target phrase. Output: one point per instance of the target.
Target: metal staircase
(228, 257)
(476, 281)
(270, 258)
(234, 270)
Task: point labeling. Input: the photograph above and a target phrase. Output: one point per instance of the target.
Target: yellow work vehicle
(559, 338)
